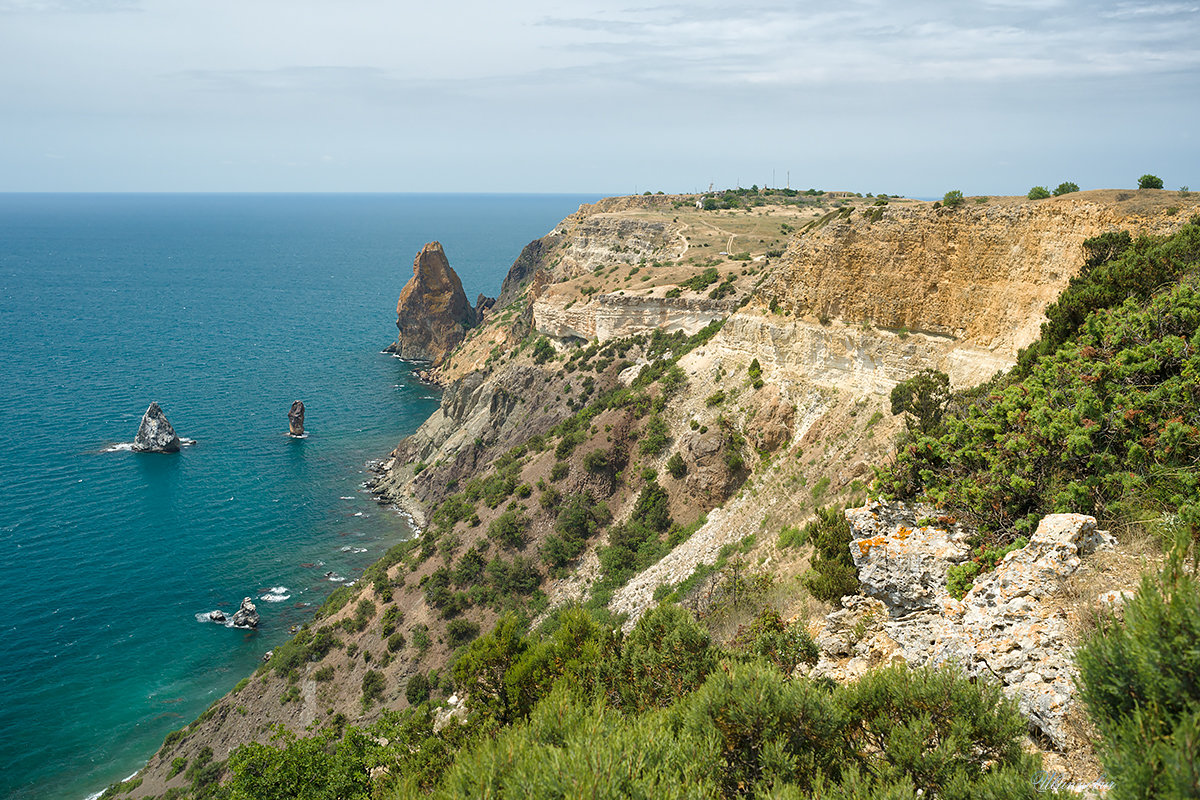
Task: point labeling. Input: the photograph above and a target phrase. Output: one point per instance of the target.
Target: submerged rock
(296, 419)
(155, 434)
(246, 616)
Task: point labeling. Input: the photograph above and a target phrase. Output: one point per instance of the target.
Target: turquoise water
(224, 309)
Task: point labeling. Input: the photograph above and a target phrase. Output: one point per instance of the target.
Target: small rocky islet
(155, 434)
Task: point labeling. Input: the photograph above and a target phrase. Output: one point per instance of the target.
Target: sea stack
(296, 419)
(246, 616)
(433, 313)
(155, 434)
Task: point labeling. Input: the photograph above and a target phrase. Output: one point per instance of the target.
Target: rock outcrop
(155, 434)
(296, 419)
(433, 313)
(612, 316)
(980, 274)
(1009, 627)
(246, 616)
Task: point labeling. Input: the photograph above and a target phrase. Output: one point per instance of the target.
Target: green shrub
(1066, 187)
(596, 461)
(460, 631)
(421, 639)
(785, 646)
(952, 198)
(676, 466)
(579, 518)
(960, 577)
(324, 674)
(652, 507)
(655, 436)
(1038, 193)
(833, 573)
(559, 471)
(481, 669)
(1150, 182)
(178, 765)
(1140, 682)
(373, 684)
(819, 488)
(508, 529)
(937, 730)
(793, 536)
(667, 655)
(922, 399)
(766, 729)
(417, 690)
(395, 642)
(542, 350)
(699, 283)
(715, 399)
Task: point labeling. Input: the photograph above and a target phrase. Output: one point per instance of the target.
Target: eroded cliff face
(979, 274)
(432, 313)
(611, 316)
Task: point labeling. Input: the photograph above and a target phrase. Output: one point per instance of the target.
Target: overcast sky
(897, 96)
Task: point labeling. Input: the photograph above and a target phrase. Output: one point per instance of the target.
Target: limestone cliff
(432, 313)
(980, 274)
(582, 382)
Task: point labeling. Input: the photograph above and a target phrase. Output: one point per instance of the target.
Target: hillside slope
(657, 386)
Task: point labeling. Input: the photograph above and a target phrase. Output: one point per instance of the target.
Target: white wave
(293, 436)
(335, 578)
(119, 447)
(346, 497)
(359, 514)
(100, 793)
(274, 598)
(347, 549)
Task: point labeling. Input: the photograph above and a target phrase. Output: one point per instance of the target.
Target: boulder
(216, 616)
(708, 477)
(433, 313)
(155, 434)
(296, 419)
(246, 616)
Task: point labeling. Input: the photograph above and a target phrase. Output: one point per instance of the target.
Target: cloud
(68, 6)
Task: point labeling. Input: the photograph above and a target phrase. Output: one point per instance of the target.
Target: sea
(223, 309)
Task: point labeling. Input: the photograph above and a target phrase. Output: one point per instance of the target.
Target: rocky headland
(713, 377)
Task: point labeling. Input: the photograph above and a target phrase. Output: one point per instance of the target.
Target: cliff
(658, 394)
(432, 313)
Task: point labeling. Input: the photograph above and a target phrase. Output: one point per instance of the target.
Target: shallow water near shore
(224, 309)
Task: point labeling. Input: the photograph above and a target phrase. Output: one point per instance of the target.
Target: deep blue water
(224, 309)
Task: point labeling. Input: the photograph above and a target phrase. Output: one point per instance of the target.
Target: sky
(900, 96)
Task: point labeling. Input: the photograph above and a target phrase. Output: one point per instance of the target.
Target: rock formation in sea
(155, 434)
(433, 313)
(296, 419)
(216, 616)
(246, 616)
